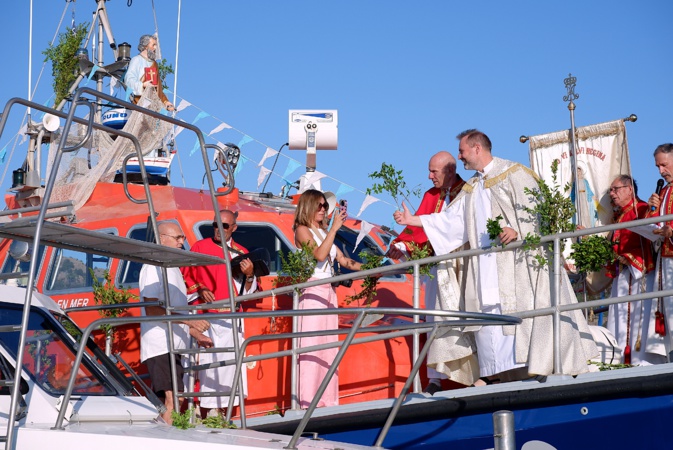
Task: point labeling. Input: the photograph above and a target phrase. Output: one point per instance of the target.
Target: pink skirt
(314, 366)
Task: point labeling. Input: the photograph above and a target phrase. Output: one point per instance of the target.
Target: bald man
(209, 284)
(446, 185)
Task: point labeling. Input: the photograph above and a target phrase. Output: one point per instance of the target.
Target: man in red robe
(208, 284)
(661, 204)
(631, 323)
(446, 185)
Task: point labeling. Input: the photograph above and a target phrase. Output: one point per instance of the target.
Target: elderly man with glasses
(154, 351)
(206, 284)
(631, 323)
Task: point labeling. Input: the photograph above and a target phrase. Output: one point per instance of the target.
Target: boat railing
(555, 310)
(38, 230)
(454, 319)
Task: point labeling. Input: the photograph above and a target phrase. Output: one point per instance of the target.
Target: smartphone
(343, 205)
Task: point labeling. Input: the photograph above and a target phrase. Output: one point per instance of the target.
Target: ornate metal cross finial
(570, 86)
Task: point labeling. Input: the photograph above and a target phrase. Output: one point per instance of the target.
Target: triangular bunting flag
(292, 165)
(93, 71)
(183, 104)
(23, 134)
(200, 116)
(365, 228)
(267, 154)
(343, 190)
(313, 177)
(369, 199)
(218, 128)
(113, 84)
(241, 163)
(263, 172)
(197, 146)
(244, 140)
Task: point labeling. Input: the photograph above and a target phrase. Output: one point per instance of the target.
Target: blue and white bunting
(200, 116)
(292, 165)
(369, 199)
(365, 228)
(218, 128)
(267, 154)
(263, 172)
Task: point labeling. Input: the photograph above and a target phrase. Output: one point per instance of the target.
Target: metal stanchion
(503, 430)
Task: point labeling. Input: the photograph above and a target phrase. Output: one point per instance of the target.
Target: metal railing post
(503, 430)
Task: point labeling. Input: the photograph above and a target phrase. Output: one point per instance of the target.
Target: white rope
(8, 158)
(175, 85)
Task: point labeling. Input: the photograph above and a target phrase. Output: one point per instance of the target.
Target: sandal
(486, 381)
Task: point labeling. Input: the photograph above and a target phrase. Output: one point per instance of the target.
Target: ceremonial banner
(602, 154)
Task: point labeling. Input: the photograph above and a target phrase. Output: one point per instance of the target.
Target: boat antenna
(274, 165)
(177, 55)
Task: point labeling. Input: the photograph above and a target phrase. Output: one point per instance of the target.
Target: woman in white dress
(310, 228)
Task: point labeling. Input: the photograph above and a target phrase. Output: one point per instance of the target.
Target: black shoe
(431, 388)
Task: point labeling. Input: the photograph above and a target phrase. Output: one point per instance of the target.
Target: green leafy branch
(392, 182)
(164, 70)
(369, 284)
(420, 252)
(298, 266)
(183, 420)
(592, 253)
(106, 294)
(64, 62)
(493, 228)
(554, 210)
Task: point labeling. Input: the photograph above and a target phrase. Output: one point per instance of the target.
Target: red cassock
(634, 248)
(212, 277)
(432, 202)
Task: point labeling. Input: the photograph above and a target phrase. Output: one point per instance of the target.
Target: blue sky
(406, 77)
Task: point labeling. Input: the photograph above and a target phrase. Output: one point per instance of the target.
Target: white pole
(177, 54)
(30, 51)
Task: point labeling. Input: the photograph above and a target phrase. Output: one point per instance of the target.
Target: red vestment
(433, 201)
(634, 248)
(665, 208)
(212, 277)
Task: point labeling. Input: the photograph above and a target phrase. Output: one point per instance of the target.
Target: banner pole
(571, 95)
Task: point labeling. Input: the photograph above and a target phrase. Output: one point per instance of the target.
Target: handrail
(62, 148)
(86, 333)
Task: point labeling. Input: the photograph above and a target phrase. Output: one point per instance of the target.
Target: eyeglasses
(616, 188)
(181, 237)
(324, 206)
(224, 225)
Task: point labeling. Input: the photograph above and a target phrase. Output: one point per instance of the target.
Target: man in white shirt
(154, 349)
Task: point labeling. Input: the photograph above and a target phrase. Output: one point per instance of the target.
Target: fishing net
(102, 155)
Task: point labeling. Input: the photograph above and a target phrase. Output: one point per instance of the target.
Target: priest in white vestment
(505, 282)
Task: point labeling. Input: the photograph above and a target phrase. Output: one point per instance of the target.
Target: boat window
(129, 271)
(345, 241)
(70, 270)
(12, 265)
(49, 355)
(252, 236)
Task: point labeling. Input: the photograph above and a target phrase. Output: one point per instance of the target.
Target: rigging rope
(175, 83)
(37, 83)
